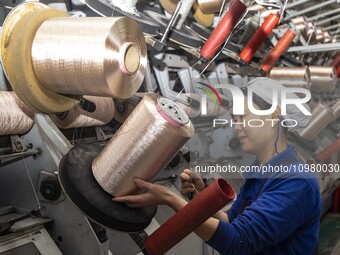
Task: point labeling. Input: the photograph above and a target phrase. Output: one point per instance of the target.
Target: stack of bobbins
(145, 143)
(55, 43)
(15, 117)
(327, 37)
(77, 117)
(292, 76)
(323, 79)
(319, 36)
(310, 34)
(322, 115)
(300, 25)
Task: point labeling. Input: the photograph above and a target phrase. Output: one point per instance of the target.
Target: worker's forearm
(221, 216)
(207, 229)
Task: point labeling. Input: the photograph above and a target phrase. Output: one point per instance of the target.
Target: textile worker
(274, 213)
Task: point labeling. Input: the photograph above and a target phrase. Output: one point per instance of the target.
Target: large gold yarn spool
(90, 56)
(17, 36)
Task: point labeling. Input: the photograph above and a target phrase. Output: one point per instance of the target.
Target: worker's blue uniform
(273, 216)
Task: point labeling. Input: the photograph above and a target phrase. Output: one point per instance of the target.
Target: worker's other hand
(188, 180)
(154, 194)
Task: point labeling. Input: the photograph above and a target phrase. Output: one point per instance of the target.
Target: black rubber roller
(79, 184)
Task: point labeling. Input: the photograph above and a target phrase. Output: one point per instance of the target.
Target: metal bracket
(17, 144)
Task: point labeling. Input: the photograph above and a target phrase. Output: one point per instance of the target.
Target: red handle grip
(223, 29)
(261, 34)
(277, 51)
(189, 217)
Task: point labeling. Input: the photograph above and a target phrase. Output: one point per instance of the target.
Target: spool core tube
(129, 63)
(187, 219)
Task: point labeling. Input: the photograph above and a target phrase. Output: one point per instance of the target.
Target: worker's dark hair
(263, 105)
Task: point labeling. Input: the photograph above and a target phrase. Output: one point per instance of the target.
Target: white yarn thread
(128, 6)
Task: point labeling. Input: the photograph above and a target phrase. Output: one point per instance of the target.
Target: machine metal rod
(324, 14)
(296, 3)
(171, 22)
(316, 48)
(330, 27)
(309, 9)
(324, 21)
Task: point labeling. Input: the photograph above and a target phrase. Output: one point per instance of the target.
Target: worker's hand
(188, 180)
(154, 195)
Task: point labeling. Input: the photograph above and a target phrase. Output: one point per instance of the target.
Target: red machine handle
(191, 216)
(277, 51)
(223, 29)
(261, 34)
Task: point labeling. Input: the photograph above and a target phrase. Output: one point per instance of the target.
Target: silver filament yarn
(15, 117)
(292, 76)
(323, 78)
(322, 115)
(145, 143)
(90, 56)
(77, 117)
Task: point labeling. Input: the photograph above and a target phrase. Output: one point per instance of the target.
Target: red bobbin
(223, 29)
(277, 51)
(261, 34)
